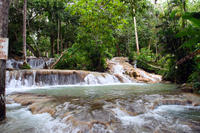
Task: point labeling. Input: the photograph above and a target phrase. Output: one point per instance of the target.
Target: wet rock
(120, 78)
(193, 98)
(170, 102)
(36, 103)
(186, 88)
(129, 70)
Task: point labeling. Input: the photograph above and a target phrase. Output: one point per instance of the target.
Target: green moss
(25, 66)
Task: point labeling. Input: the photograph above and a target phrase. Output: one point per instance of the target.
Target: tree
(99, 20)
(4, 8)
(42, 28)
(24, 30)
(136, 36)
(179, 37)
(136, 7)
(133, 8)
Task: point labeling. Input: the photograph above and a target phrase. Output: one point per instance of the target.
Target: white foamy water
(40, 78)
(20, 119)
(11, 63)
(149, 76)
(164, 115)
(126, 119)
(20, 79)
(119, 66)
(39, 63)
(37, 78)
(118, 69)
(77, 114)
(35, 63)
(100, 79)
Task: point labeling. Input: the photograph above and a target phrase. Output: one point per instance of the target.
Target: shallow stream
(120, 108)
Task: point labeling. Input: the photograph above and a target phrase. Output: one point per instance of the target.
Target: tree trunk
(127, 44)
(184, 10)
(24, 30)
(58, 39)
(53, 65)
(118, 50)
(52, 46)
(61, 44)
(4, 11)
(35, 52)
(136, 36)
(149, 47)
(156, 50)
(188, 57)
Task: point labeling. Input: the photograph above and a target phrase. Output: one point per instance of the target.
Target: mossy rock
(25, 66)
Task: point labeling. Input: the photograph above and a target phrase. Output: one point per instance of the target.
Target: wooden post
(4, 10)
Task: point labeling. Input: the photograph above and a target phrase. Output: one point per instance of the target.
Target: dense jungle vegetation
(163, 36)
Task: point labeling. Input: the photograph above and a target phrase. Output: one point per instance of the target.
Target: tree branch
(188, 57)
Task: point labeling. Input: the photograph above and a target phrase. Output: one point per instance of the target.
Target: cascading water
(35, 63)
(21, 120)
(102, 109)
(149, 76)
(119, 70)
(38, 78)
(93, 79)
(92, 106)
(13, 64)
(18, 79)
(120, 66)
(39, 63)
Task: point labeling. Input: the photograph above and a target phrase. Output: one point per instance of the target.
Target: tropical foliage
(87, 32)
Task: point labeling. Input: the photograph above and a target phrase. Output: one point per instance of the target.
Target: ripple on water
(100, 109)
(21, 120)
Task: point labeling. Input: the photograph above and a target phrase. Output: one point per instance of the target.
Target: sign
(3, 48)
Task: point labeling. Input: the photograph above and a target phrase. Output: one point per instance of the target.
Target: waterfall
(101, 79)
(119, 72)
(39, 63)
(119, 66)
(39, 78)
(35, 63)
(13, 64)
(18, 79)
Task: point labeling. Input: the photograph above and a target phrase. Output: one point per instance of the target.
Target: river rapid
(125, 99)
(112, 108)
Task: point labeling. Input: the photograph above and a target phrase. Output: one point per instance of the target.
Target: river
(114, 108)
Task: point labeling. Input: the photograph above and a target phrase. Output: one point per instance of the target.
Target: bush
(87, 58)
(194, 78)
(148, 61)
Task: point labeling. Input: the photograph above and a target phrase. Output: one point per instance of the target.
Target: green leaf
(194, 17)
(190, 43)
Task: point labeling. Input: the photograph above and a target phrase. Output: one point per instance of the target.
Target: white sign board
(3, 48)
